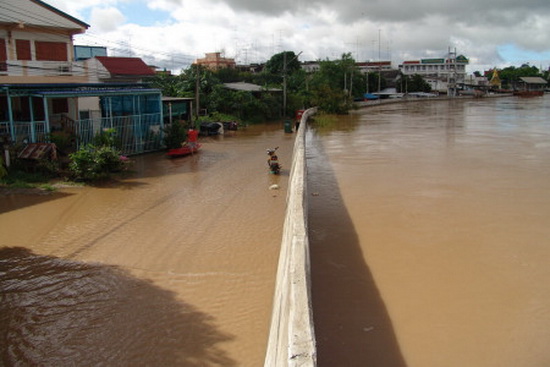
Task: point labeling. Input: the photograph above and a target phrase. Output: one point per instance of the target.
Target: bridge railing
(292, 337)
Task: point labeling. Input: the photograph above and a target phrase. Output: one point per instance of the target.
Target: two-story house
(44, 90)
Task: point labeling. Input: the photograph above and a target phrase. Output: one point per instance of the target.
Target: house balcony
(23, 71)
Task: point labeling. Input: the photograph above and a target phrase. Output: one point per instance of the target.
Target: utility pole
(197, 92)
(284, 84)
(285, 63)
(379, 65)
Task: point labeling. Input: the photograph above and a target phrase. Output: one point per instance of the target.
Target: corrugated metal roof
(76, 89)
(533, 80)
(94, 92)
(248, 87)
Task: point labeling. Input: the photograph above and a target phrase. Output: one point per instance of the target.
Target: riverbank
(365, 104)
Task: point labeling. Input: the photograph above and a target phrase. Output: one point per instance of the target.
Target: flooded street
(429, 246)
(173, 266)
(429, 235)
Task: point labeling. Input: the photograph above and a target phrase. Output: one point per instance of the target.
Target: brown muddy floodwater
(173, 266)
(430, 235)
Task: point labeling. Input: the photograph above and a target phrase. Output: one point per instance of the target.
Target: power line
(118, 46)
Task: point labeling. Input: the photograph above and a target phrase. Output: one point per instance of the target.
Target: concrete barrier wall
(291, 336)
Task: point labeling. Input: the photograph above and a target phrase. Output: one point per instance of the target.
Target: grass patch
(325, 120)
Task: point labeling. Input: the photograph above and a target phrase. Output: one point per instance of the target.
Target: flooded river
(173, 266)
(429, 247)
(430, 235)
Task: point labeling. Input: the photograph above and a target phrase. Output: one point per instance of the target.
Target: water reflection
(11, 199)
(352, 324)
(438, 215)
(56, 312)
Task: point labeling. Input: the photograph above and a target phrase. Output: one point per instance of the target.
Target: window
(23, 49)
(3, 55)
(51, 51)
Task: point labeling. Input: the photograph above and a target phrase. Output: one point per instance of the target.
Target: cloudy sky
(173, 33)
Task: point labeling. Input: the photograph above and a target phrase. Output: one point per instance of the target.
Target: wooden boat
(183, 151)
(529, 93)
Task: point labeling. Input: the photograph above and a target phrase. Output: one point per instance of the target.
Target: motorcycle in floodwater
(273, 161)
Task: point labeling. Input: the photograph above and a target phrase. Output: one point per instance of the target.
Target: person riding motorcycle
(273, 161)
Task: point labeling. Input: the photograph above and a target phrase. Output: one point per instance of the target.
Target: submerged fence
(134, 134)
(292, 337)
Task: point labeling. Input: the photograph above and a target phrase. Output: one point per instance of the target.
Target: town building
(310, 66)
(443, 74)
(374, 66)
(36, 43)
(495, 81)
(530, 86)
(214, 61)
(45, 91)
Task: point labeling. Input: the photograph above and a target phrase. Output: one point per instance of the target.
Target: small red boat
(183, 151)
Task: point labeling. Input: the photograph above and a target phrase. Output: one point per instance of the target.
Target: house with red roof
(45, 91)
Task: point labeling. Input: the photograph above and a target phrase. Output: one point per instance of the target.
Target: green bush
(64, 141)
(175, 134)
(91, 163)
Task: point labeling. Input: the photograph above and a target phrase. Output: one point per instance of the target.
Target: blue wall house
(33, 113)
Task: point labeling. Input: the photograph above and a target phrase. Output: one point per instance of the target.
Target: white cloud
(252, 30)
(107, 19)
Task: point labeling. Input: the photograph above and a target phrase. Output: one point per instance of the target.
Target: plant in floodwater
(99, 160)
(91, 163)
(324, 120)
(106, 137)
(175, 134)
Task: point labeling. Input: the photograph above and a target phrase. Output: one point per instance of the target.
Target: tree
(276, 65)
(411, 84)
(510, 75)
(332, 85)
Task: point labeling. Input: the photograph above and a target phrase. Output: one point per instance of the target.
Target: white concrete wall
(292, 336)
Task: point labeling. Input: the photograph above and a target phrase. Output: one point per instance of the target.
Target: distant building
(495, 81)
(310, 66)
(248, 87)
(443, 74)
(374, 66)
(214, 61)
(251, 68)
(364, 67)
(477, 81)
(157, 71)
(530, 86)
